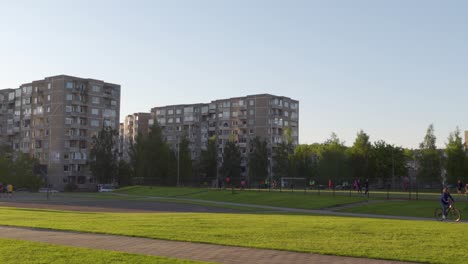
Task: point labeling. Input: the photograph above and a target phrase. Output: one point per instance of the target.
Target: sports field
(405, 240)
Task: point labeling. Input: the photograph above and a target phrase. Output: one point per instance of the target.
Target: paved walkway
(181, 250)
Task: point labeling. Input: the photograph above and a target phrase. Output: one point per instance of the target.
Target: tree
(456, 157)
(282, 157)
(231, 166)
(17, 169)
(305, 159)
(388, 162)
(332, 160)
(258, 160)
(104, 155)
(359, 156)
(124, 175)
(209, 161)
(429, 159)
(185, 161)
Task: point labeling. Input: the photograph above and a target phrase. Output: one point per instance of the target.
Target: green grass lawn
(420, 241)
(405, 208)
(279, 199)
(18, 251)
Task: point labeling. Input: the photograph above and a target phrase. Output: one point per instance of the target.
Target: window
(68, 108)
(95, 100)
(170, 112)
(150, 122)
(286, 113)
(251, 112)
(226, 104)
(170, 120)
(48, 97)
(251, 102)
(188, 110)
(178, 111)
(48, 109)
(113, 102)
(177, 120)
(251, 131)
(95, 111)
(69, 97)
(49, 85)
(286, 104)
(94, 123)
(235, 114)
(226, 114)
(96, 89)
(68, 120)
(65, 168)
(69, 85)
(110, 113)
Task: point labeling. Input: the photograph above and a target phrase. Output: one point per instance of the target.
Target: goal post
(293, 183)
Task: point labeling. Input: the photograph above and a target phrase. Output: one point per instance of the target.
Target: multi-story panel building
(134, 125)
(55, 119)
(6, 115)
(240, 119)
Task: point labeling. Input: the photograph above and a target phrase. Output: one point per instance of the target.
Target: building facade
(134, 125)
(240, 119)
(55, 119)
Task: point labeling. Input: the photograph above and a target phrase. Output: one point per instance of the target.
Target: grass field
(405, 208)
(18, 251)
(420, 241)
(279, 199)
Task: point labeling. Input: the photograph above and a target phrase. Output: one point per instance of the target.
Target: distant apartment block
(134, 125)
(466, 139)
(240, 119)
(54, 120)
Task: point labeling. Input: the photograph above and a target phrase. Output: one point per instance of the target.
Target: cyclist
(445, 201)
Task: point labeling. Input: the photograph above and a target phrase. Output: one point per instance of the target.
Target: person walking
(459, 187)
(10, 190)
(366, 187)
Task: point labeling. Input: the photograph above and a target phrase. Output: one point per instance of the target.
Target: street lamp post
(178, 158)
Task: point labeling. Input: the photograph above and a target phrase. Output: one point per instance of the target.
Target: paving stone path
(180, 250)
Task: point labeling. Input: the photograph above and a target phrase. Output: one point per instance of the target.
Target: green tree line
(153, 161)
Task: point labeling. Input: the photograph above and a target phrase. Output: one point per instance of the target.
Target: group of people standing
(460, 188)
(358, 186)
(6, 190)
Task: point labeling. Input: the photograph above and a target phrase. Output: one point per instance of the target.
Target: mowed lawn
(275, 198)
(419, 241)
(18, 251)
(419, 208)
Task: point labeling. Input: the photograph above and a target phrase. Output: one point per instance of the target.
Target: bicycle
(452, 213)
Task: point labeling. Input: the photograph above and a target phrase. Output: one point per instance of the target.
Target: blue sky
(390, 68)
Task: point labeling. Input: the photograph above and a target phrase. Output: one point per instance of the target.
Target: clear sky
(390, 68)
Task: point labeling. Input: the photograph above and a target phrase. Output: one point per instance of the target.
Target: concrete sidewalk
(181, 250)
